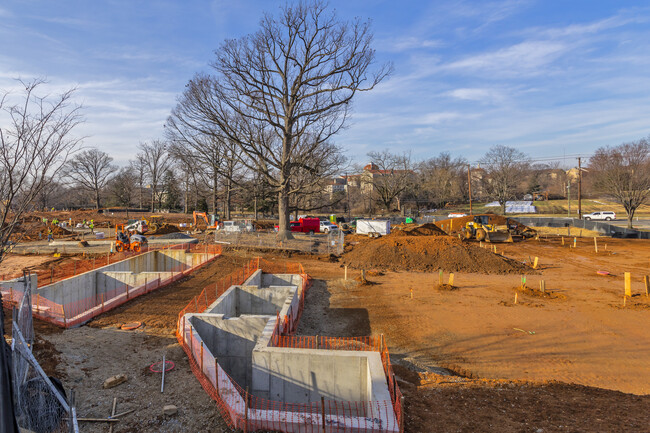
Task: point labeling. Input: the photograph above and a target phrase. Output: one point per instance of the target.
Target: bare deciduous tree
(505, 169)
(283, 91)
(443, 178)
(139, 167)
(91, 170)
(121, 188)
(389, 175)
(34, 146)
(156, 161)
(623, 173)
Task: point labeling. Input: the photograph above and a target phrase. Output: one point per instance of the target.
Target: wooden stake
(542, 286)
(346, 273)
(596, 244)
(451, 280)
(575, 242)
(647, 283)
(535, 263)
(201, 356)
(515, 297)
(562, 240)
(322, 408)
(110, 430)
(628, 284)
(411, 292)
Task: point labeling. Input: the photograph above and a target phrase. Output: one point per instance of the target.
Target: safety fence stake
(322, 408)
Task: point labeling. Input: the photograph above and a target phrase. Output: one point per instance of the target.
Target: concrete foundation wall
(281, 280)
(19, 284)
(135, 270)
(231, 340)
(305, 375)
(112, 280)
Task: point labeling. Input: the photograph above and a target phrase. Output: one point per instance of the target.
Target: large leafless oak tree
(284, 91)
(505, 170)
(623, 173)
(91, 170)
(36, 138)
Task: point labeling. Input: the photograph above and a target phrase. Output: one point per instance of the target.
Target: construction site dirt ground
(576, 360)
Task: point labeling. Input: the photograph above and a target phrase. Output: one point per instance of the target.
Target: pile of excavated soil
(166, 229)
(428, 229)
(30, 231)
(399, 252)
(456, 224)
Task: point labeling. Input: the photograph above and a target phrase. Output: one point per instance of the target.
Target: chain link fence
(318, 243)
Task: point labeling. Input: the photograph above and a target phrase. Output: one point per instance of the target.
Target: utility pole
(568, 193)
(347, 192)
(579, 188)
(469, 185)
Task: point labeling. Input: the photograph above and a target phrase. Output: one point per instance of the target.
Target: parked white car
(326, 227)
(603, 216)
(456, 215)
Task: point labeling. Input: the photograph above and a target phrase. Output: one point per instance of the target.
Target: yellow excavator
(481, 230)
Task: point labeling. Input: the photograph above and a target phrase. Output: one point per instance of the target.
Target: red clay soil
(401, 252)
(459, 223)
(428, 229)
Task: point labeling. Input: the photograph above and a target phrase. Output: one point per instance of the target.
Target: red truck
(304, 225)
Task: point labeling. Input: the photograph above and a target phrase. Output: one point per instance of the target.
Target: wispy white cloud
(523, 58)
(407, 43)
(484, 95)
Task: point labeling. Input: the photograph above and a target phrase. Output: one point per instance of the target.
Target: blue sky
(551, 78)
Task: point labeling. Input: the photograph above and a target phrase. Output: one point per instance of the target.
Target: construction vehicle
(157, 224)
(210, 224)
(481, 230)
(154, 223)
(126, 241)
(140, 227)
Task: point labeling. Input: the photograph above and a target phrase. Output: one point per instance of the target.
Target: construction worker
(55, 221)
(84, 223)
(50, 236)
(92, 226)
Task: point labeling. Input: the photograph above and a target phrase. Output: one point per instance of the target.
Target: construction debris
(113, 381)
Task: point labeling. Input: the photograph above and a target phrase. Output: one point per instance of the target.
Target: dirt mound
(428, 229)
(38, 231)
(166, 229)
(429, 253)
(456, 224)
